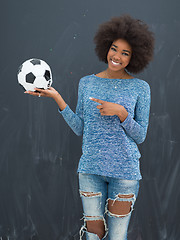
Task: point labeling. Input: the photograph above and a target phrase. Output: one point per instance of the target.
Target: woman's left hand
(111, 109)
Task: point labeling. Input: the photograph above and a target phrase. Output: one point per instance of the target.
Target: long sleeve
(75, 120)
(136, 127)
(109, 146)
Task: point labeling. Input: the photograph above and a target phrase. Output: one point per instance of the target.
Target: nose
(116, 57)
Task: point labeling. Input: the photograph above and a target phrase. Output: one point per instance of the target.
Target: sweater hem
(111, 175)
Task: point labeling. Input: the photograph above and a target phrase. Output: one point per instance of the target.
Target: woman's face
(119, 55)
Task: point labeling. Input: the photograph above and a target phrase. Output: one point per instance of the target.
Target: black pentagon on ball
(19, 69)
(47, 75)
(30, 77)
(35, 61)
(49, 83)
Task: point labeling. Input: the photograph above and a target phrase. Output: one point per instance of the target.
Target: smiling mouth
(115, 63)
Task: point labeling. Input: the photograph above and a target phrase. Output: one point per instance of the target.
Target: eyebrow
(122, 50)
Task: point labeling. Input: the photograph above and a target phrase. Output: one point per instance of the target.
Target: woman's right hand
(50, 92)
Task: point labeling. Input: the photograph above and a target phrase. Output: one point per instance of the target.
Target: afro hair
(135, 32)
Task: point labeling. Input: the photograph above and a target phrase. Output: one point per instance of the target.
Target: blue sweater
(110, 146)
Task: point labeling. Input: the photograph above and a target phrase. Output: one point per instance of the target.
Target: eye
(112, 48)
(126, 54)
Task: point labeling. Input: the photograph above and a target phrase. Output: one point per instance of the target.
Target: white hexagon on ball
(34, 73)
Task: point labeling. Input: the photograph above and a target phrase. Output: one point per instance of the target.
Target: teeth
(115, 63)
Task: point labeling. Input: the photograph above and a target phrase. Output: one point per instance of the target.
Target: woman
(112, 113)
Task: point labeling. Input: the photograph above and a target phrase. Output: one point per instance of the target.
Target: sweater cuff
(64, 111)
(127, 121)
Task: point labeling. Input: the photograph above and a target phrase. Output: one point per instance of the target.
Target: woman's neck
(116, 75)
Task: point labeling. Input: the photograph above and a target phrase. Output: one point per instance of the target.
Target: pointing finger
(97, 100)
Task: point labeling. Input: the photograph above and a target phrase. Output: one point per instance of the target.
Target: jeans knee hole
(119, 208)
(90, 194)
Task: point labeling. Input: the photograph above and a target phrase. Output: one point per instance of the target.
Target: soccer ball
(34, 73)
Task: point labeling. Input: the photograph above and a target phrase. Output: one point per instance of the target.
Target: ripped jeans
(105, 191)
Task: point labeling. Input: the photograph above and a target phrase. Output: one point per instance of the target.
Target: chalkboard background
(39, 153)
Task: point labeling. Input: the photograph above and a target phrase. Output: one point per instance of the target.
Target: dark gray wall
(39, 153)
